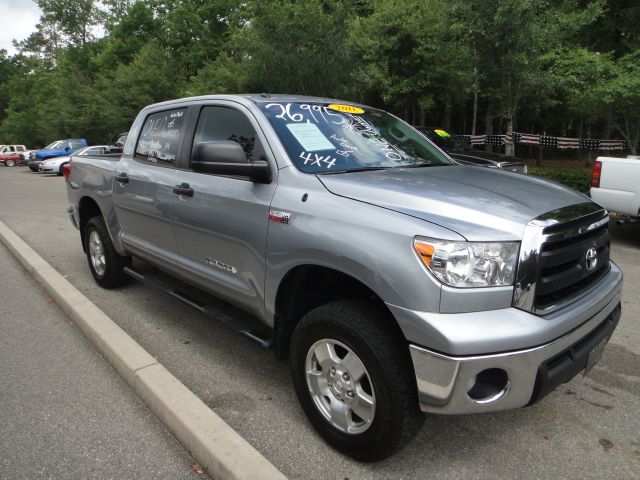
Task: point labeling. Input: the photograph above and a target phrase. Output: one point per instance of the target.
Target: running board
(211, 310)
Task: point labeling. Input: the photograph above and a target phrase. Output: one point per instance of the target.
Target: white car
(615, 184)
(55, 165)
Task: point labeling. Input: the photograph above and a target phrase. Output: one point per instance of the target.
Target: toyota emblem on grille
(591, 258)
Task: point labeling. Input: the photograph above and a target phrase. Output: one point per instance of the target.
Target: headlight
(469, 264)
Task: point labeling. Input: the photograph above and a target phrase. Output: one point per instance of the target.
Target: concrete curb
(214, 444)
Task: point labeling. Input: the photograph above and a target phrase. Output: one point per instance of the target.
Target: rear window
(159, 138)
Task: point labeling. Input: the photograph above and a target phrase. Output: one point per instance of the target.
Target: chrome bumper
(444, 382)
(73, 216)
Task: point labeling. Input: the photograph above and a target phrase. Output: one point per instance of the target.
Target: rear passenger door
(143, 187)
(221, 229)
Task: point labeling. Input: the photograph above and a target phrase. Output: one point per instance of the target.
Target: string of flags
(547, 141)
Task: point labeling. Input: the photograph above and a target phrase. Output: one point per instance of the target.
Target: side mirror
(226, 157)
(67, 148)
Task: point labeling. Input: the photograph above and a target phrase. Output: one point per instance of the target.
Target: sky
(18, 19)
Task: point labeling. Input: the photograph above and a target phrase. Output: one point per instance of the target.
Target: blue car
(58, 148)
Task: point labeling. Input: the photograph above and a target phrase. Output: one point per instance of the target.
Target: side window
(224, 123)
(159, 137)
(20, 148)
(12, 148)
(75, 144)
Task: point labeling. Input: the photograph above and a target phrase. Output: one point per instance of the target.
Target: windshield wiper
(352, 170)
(426, 164)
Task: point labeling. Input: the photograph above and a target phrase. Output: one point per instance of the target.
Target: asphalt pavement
(588, 428)
(64, 413)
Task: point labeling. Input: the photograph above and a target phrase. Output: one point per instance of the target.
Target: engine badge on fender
(278, 216)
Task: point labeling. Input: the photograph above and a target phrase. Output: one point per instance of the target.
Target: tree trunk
(540, 153)
(447, 115)
(488, 125)
(422, 117)
(509, 148)
(587, 161)
(475, 111)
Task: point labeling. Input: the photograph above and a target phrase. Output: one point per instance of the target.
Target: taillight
(595, 174)
(66, 171)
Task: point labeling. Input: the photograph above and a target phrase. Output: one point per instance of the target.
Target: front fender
(371, 244)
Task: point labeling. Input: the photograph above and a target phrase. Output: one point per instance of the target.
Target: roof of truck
(256, 98)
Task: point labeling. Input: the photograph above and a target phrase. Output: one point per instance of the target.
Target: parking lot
(588, 428)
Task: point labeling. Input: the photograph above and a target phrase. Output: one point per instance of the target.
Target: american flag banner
(548, 142)
(589, 144)
(508, 138)
(564, 142)
(612, 144)
(527, 138)
(495, 139)
(473, 139)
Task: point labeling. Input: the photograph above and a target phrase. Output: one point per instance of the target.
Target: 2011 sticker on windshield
(442, 133)
(346, 108)
(310, 137)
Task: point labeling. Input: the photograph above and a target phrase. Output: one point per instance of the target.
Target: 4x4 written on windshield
(325, 138)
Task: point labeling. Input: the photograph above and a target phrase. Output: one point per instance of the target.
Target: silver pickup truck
(395, 281)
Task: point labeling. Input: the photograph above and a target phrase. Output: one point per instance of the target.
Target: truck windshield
(53, 145)
(446, 141)
(334, 138)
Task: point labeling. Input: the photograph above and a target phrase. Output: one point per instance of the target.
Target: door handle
(183, 189)
(122, 178)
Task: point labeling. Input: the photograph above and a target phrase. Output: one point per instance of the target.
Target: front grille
(562, 265)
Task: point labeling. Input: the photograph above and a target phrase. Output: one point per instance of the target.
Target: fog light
(489, 385)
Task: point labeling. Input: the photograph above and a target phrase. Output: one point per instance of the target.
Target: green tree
(410, 55)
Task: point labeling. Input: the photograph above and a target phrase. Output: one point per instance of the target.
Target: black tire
(113, 273)
(369, 332)
(61, 169)
(10, 163)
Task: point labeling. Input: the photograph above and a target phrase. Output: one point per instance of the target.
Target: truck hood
(475, 202)
(483, 158)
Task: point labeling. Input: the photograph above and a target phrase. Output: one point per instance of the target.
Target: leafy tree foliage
(564, 66)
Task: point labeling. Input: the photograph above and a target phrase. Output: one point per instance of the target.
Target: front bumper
(34, 164)
(518, 375)
(47, 168)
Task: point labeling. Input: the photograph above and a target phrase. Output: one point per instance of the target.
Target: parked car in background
(58, 148)
(10, 159)
(466, 154)
(615, 184)
(19, 150)
(56, 164)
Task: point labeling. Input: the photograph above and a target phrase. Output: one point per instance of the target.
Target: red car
(10, 159)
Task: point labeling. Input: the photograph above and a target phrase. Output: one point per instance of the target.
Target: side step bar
(214, 311)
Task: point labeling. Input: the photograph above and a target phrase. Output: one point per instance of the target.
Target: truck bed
(619, 189)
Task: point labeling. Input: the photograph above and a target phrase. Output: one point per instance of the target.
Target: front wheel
(10, 163)
(61, 169)
(105, 263)
(353, 377)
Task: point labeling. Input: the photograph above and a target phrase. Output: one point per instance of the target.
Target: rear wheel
(353, 376)
(61, 169)
(10, 163)
(105, 263)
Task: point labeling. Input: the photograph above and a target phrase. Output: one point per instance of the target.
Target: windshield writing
(322, 138)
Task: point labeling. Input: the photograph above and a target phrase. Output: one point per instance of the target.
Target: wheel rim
(10, 163)
(96, 253)
(340, 386)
